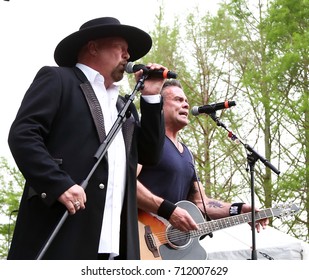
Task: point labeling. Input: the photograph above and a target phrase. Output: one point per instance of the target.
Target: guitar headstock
(285, 210)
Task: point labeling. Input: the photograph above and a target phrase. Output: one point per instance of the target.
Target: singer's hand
(152, 85)
(73, 199)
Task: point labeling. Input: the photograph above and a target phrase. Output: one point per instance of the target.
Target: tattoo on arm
(214, 204)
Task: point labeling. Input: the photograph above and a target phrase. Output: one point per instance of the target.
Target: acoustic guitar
(159, 240)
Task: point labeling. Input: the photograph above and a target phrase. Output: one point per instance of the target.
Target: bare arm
(217, 209)
(146, 200)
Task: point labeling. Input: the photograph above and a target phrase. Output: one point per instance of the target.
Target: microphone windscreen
(194, 110)
(129, 67)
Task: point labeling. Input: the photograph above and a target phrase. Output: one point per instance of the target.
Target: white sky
(31, 29)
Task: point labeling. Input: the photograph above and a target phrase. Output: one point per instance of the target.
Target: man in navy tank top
(174, 178)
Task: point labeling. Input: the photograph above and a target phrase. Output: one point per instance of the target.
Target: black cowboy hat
(139, 42)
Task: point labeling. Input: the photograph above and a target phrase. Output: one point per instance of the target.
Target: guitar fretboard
(218, 224)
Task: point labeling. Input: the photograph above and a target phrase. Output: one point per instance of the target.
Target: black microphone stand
(252, 158)
(100, 153)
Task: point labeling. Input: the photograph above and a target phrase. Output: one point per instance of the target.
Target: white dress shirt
(109, 241)
(110, 233)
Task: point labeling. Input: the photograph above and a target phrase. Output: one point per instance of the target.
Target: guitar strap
(200, 191)
(206, 217)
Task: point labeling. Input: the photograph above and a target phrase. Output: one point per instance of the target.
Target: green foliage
(11, 183)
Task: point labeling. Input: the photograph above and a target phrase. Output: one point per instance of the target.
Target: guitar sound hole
(177, 238)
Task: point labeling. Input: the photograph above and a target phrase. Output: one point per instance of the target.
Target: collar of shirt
(94, 77)
(106, 97)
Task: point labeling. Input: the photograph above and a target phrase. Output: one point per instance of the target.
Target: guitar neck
(218, 224)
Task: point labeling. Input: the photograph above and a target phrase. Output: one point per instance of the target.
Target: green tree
(247, 53)
(287, 28)
(11, 185)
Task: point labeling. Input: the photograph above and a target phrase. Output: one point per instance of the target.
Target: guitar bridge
(150, 242)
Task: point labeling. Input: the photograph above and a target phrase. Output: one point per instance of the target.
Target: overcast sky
(31, 29)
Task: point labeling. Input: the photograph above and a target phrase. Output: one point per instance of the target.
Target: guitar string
(177, 235)
(204, 228)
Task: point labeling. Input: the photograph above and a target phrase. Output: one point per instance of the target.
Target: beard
(117, 73)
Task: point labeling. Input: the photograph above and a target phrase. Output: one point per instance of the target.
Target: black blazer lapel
(129, 125)
(95, 109)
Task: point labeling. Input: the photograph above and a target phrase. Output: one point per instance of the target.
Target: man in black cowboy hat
(64, 117)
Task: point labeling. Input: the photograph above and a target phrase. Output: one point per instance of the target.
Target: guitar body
(159, 240)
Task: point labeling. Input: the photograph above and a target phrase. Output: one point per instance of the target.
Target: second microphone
(211, 108)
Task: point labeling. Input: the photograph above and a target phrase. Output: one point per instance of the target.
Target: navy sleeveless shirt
(173, 177)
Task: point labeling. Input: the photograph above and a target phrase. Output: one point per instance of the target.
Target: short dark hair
(170, 83)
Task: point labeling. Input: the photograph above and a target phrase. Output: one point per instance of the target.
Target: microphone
(211, 108)
(159, 73)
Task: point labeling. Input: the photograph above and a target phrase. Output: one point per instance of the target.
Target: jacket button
(43, 195)
(101, 186)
